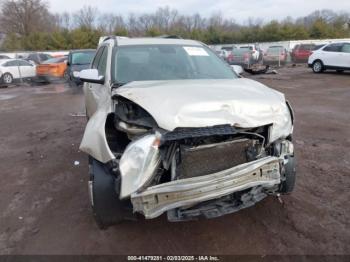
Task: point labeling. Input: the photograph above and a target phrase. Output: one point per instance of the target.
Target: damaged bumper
(154, 201)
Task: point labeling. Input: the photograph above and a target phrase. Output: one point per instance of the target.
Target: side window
(102, 65)
(12, 63)
(333, 48)
(24, 63)
(346, 48)
(97, 58)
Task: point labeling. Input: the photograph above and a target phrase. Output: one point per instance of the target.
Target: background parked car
(78, 60)
(222, 53)
(242, 56)
(301, 53)
(256, 52)
(52, 69)
(275, 55)
(334, 56)
(228, 48)
(4, 57)
(12, 70)
(37, 58)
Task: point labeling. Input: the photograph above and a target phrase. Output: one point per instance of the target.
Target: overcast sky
(240, 10)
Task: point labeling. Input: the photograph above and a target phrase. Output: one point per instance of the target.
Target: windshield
(167, 62)
(82, 58)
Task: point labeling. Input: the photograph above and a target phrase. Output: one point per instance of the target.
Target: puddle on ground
(7, 97)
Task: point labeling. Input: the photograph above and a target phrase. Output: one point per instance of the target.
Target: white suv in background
(334, 56)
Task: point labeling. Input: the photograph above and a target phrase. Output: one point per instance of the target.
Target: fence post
(279, 58)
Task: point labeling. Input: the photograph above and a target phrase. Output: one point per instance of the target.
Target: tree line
(29, 25)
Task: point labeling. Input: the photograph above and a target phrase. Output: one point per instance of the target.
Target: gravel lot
(44, 200)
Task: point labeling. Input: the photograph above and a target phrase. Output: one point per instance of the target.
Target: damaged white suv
(173, 129)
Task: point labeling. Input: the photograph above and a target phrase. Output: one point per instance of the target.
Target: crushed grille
(184, 133)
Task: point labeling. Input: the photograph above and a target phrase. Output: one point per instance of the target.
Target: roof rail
(170, 36)
(111, 37)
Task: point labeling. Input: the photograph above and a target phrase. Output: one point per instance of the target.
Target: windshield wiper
(117, 84)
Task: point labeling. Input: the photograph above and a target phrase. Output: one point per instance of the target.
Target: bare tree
(110, 23)
(25, 16)
(164, 18)
(86, 17)
(133, 25)
(65, 20)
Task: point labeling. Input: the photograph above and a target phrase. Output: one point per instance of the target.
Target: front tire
(7, 78)
(289, 172)
(317, 67)
(107, 208)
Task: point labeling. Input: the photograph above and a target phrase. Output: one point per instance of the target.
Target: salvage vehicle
(173, 129)
(78, 60)
(52, 69)
(275, 55)
(301, 53)
(334, 56)
(15, 70)
(255, 51)
(222, 54)
(242, 56)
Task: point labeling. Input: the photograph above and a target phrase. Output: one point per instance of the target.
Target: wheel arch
(318, 60)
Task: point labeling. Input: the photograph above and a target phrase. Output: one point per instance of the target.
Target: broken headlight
(138, 164)
(133, 114)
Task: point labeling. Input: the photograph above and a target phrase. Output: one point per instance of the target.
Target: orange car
(52, 69)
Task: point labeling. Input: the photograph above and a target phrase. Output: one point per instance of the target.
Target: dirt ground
(44, 196)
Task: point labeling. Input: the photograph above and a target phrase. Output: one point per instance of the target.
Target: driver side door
(93, 92)
(27, 69)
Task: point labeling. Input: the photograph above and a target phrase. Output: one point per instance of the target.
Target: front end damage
(198, 152)
(201, 172)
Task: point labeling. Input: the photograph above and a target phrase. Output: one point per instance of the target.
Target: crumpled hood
(202, 103)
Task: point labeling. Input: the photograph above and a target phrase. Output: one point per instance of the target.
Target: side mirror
(90, 76)
(237, 69)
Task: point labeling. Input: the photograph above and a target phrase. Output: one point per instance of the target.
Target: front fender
(94, 140)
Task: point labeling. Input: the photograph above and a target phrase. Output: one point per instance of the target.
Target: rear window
(246, 47)
(306, 47)
(275, 49)
(44, 57)
(227, 48)
(55, 60)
